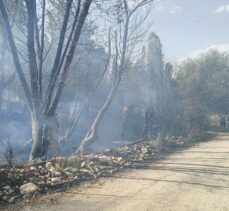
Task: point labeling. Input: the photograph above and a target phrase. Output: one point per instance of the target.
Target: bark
(44, 130)
(69, 57)
(55, 70)
(4, 84)
(15, 55)
(40, 46)
(44, 133)
(31, 10)
(92, 134)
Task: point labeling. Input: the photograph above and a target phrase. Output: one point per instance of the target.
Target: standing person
(222, 121)
(227, 120)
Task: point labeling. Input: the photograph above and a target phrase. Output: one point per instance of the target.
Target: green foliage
(174, 121)
(182, 102)
(203, 86)
(204, 81)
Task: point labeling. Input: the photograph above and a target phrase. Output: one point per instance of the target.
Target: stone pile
(30, 181)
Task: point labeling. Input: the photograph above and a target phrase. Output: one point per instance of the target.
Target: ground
(192, 179)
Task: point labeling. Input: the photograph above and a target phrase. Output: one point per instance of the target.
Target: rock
(96, 169)
(5, 198)
(10, 191)
(36, 173)
(55, 180)
(12, 170)
(73, 160)
(102, 158)
(49, 165)
(59, 159)
(27, 197)
(32, 168)
(144, 150)
(6, 187)
(22, 170)
(119, 159)
(12, 199)
(105, 160)
(85, 171)
(28, 188)
(83, 164)
(10, 175)
(42, 171)
(70, 169)
(52, 169)
(41, 183)
(56, 173)
(41, 177)
(57, 166)
(69, 174)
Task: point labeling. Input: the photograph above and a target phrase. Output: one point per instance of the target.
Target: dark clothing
(222, 121)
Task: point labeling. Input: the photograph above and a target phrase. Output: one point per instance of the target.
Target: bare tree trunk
(37, 129)
(44, 133)
(92, 134)
(44, 128)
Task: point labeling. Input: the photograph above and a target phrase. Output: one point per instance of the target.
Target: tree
(7, 74)
(154, 66)
(203, 84)
(123, 37)
(173, 113)
(94, 82)
(5, 78)
(43, 104)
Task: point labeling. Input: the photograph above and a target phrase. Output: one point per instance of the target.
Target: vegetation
(72, 89)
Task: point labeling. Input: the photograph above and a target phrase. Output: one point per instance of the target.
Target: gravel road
(194, 179)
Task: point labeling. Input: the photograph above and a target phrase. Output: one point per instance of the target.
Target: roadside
(194, 179)
(24, 183)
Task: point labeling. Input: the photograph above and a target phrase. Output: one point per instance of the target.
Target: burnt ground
(61, 174)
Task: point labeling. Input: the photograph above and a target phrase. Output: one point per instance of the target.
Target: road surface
(194, 179)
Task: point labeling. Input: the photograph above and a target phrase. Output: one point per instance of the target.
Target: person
(227, 120)
(222, 121)
(151, 127)
(127, 112)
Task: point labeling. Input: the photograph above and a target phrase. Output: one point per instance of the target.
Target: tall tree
(155, 71)
(122, 45)
(42, 104)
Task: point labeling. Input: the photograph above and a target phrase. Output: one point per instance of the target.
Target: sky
(187, 27)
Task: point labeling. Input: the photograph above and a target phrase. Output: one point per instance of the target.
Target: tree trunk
(44, 133)
(92, 133)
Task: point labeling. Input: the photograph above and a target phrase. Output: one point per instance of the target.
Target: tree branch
(74, 121)
(15, 55)
(31, 9)
(54, 72)
(70, 55)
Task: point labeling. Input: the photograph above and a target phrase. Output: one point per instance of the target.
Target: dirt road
(195, 179)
